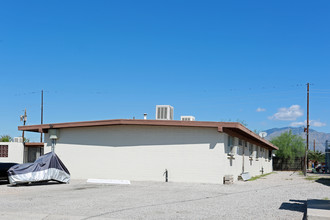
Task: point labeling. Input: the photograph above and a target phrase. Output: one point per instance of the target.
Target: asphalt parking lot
(281, 195)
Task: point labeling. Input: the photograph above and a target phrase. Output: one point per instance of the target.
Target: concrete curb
(318, 209)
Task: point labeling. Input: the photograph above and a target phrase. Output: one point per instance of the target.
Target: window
(269, 155)
(230, 145)
(246, 144)
(240, 148)
(3, 150)
(251, 149)
(257, 150)
(240, 142)
(230, 141)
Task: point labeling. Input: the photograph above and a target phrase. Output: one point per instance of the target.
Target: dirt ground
(281, 195)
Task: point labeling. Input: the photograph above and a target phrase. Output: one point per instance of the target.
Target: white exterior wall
(15, 152)
(142, 153)
(253, 165)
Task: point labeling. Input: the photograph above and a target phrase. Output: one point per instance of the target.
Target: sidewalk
(318, 209)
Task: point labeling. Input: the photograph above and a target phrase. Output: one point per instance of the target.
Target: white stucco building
(11, 152)
(141, 150)
(17, 152)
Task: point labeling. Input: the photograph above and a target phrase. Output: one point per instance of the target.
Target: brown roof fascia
(259, 142)
(44, 127)
(235, 128)
(250, 135)
(34, 144)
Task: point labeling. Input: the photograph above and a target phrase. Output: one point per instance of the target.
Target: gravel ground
(281, 195)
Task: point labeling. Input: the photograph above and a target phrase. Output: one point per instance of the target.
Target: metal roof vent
(164, 112)
(187, 118)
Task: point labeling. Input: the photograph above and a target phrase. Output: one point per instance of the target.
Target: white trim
(108, 181)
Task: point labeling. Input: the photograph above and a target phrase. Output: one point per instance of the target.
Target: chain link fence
(280, 164)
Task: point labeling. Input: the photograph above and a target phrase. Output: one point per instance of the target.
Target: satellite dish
(262, 134)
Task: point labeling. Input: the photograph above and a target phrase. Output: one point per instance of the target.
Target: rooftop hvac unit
(164, 112)
(187, 118)
(18, 139)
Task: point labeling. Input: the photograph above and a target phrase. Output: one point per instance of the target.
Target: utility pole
(307, 131)
(23, 118)
(42, 111)
(327, 155)
(314, 145)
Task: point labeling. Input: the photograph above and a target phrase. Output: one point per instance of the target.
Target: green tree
(316, 156)
(6, 138)
(290, 146)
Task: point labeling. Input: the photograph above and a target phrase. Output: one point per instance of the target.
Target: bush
(6, 138)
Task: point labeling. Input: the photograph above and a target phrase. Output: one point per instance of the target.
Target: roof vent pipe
(145, 116)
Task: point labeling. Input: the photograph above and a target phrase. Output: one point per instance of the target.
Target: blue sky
(216, 60)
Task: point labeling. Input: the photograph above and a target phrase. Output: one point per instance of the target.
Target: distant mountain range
(319, 137)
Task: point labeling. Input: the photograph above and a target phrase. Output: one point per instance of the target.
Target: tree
(316, 156)
(243, 122)
(290, 146)
(6, 138)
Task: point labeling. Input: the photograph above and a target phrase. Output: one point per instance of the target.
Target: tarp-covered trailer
(46, 168)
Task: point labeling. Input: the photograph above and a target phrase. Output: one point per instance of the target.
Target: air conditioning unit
(187, 118)
(164, 112)
(18, 139)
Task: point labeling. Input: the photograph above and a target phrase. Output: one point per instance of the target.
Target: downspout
(262, 160)
(243, 159)
(53, 145)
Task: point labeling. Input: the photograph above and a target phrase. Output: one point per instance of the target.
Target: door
(34, 153)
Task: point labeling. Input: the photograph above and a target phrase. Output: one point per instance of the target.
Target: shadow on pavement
(295, 205)
(42, 183)
(324, 181)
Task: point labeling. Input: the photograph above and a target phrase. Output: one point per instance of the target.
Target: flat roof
(232, 128)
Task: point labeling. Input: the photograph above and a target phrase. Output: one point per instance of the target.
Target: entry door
(33, 154)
